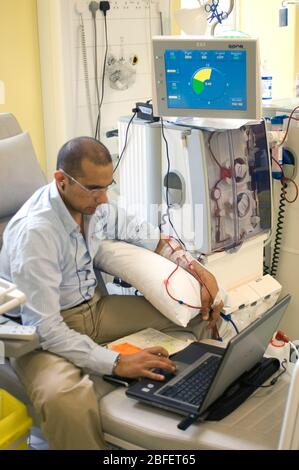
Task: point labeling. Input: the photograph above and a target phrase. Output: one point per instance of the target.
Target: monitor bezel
(253, 86)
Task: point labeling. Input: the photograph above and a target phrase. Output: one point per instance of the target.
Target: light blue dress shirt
(43, 250)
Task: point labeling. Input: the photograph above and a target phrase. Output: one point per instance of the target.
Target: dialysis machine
(218, 185)
(215, 192)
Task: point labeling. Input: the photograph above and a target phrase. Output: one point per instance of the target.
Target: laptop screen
(245, 350)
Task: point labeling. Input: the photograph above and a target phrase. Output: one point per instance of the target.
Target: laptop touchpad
(180, 366)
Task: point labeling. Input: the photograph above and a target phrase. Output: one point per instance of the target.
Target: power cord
(85, 69)
(281, 215)
(281, 336)
(104, 7)
(167, 187)
(80, 290)
(93, 8)
(273, 381)
(126, 139)
(228, 318)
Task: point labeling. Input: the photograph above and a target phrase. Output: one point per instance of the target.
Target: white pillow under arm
(147, 271)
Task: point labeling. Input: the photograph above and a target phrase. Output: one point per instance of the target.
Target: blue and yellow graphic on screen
(206, 79)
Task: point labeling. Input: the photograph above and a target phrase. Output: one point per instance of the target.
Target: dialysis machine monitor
(206, 77)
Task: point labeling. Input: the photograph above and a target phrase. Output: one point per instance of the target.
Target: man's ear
(59, 178)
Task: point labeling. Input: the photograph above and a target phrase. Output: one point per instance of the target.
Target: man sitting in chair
(48, 252)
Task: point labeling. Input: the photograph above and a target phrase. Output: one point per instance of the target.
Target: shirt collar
(60, 208)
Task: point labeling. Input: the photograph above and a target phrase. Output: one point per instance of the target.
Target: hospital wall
(20, 68)
(20, 62)
(279, 46)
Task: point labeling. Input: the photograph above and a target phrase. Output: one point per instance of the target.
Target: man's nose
(101, 197)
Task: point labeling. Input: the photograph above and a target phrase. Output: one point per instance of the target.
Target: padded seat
(15, 150)
(254, 425)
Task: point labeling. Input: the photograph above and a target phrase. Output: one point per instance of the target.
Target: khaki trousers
(65, 397)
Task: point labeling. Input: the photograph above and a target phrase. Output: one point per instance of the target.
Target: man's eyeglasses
(89, 191)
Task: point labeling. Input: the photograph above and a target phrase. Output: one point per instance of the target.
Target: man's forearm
(174, 252)
(171, 249)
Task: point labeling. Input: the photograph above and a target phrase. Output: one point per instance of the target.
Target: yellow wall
(175, 5)
(20, 68)
(278, 45)
(297, 42)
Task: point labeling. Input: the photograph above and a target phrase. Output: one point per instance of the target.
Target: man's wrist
(115, 363)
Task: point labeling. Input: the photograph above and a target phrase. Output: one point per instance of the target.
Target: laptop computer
(204, 372)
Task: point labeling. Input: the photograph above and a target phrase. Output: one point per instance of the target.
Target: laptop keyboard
(192, 388)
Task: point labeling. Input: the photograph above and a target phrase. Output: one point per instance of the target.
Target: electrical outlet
(114, 5)
(134, 59)
(146, 4)
(111, 60)
(128, 5)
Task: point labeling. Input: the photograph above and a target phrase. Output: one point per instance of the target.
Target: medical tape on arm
(218, 299)
(173, 251)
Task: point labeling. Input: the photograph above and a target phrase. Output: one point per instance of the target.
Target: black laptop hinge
(235, 394)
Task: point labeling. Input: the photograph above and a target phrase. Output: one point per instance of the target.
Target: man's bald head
(73, 152)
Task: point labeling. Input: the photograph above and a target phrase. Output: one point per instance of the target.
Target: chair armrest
(17, 348)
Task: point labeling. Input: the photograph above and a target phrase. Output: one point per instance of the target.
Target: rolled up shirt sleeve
(36, 270)
(130, 228)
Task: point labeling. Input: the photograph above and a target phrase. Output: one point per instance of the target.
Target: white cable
(295, 349)
(86, 73)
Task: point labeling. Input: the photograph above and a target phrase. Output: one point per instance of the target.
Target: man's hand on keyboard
(143, 363)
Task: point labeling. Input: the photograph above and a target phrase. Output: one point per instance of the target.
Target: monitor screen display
(206, 79)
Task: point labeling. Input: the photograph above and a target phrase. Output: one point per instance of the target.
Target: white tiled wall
(130, 24)
(129, 30)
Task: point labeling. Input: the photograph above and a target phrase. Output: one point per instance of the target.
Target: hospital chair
(260, 423)
(20, 177)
